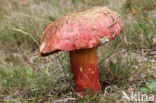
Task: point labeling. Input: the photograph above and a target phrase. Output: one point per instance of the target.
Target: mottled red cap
(83, 29)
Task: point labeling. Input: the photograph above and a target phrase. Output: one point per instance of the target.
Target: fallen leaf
(134, 11)
(23, 2)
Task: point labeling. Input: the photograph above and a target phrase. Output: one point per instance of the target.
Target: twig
(116, 21)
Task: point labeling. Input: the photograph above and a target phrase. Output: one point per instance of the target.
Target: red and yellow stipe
(84, 68)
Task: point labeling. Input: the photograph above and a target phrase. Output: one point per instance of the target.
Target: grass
(123, 63)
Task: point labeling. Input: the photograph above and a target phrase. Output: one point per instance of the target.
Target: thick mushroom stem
(84, 68)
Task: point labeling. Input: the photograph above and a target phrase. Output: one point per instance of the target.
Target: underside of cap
(83, 29)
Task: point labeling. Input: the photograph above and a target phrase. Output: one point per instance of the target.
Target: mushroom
(80, 33)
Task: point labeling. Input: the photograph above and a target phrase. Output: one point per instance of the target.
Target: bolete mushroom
(80, 33)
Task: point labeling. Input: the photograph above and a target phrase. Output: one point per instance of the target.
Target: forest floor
(127, 65)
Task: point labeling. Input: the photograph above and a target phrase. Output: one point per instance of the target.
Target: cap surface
(83, 29)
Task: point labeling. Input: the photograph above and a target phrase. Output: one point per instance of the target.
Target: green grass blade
(28, 34)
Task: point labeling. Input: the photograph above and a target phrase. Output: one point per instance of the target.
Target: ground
(126, 65)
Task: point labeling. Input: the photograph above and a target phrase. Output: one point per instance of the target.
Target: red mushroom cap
(83, 29)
